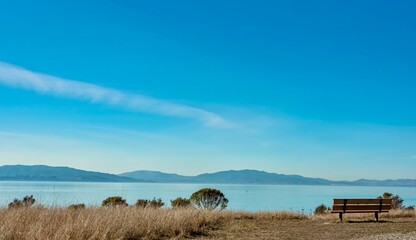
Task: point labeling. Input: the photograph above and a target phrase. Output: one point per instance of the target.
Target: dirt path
(314, 229)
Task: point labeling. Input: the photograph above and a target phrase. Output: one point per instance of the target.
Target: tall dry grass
(104, 223)
(119, 223)
(40, 223)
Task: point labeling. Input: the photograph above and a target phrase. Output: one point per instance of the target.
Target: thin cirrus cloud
(14, 76)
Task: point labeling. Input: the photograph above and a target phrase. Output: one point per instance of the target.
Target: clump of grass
(76, 206)
(400, 213)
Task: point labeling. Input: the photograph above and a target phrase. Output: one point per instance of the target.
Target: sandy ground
(316, 229)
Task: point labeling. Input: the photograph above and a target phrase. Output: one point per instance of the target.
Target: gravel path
(392, 236)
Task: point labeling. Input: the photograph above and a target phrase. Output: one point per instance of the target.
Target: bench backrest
(362, 205)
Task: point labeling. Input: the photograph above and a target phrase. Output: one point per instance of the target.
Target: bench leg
(340, 216)
(376, 216)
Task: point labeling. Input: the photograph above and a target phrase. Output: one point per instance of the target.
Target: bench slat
(362, 201)
(361, 207)
(359, 211)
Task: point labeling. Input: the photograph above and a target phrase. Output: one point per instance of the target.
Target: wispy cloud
(18, 77)
(414, 156)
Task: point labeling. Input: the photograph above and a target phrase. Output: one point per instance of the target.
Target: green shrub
(27, 201)
(142, 203)
(412, 208)
(115, 201)
(180, 202)
(321, 209)
(396, 201)
(145, 203)
(76, 206)
(15, 204)
(209, 198)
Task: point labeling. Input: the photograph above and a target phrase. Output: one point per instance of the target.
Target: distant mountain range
(232, 176)
(63, 174)
(47, 173)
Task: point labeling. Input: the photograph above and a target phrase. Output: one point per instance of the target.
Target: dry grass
(103, 223)
(137, 223)
(392, 214)
(282, 215)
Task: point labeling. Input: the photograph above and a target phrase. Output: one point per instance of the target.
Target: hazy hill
(47, 173)
(388, 182)
(231, 176)
(156, 176)
(257, 177)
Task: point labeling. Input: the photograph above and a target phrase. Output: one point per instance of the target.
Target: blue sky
(321, 89)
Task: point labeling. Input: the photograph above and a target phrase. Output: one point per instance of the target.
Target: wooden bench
(376, 206)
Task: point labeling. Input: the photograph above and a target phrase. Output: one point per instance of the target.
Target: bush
(396, 201)
(321, 209)
(411, 208)
(145, 203)
(16, 203)
(27, 201)
(115, 201)
(76, 206)
(180, 202)
(142, 203)
(209, 198)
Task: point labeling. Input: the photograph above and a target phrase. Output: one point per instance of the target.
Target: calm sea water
(241, 197)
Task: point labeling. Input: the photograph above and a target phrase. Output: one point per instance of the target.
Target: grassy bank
(136, 223)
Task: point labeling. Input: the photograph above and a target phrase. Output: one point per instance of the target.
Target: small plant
(15, 204)
(321, 209)
(157, 203)
(396, 201)
(145, 203)
(27, 201)
(142, 203)
(209, 198)
(180, 202)
(76, 206)
(411, 208)
(115, 201)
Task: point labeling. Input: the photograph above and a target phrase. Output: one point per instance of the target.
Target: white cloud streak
(14, 76)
